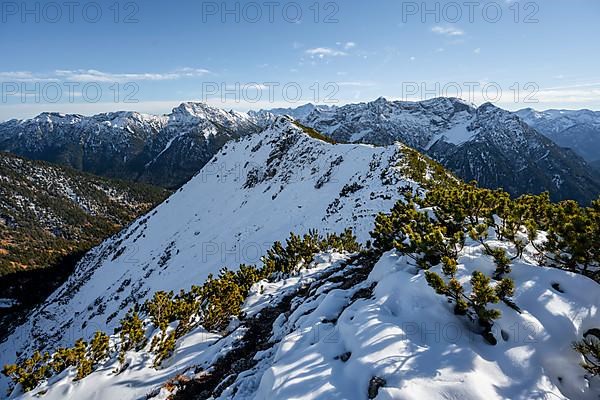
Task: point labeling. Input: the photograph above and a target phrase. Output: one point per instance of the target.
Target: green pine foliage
(30, 372)
(589, 348)
(415, 233)
(82, 356)
(62, 359)
(432, 231)
(222, 298)
(573, 238)
(314, 134)
(424, 170)
(166, 349)
(132, 334)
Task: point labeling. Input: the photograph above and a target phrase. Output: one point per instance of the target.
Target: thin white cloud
(322, 52)
(23, 76)
(574, 86)
(447, 31)
(477, 51)
(91, 75)
(356, 84)
(567, 96)
(349, 45)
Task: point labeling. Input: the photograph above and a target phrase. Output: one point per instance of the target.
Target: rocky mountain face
(578, 130)
(487, 144)
(51, 215)
(505, 152)
(160, 150)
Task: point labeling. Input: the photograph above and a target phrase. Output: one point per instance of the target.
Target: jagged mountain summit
(265, 117)
(487, 144)
(253, 192)
(338, 324)
(578, 130)
(161, 150)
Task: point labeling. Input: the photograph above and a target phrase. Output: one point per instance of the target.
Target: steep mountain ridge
(161, 150)
(485, 143)
(253, 192)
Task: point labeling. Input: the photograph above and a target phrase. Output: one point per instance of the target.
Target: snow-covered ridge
(253, 192)
(349, 326)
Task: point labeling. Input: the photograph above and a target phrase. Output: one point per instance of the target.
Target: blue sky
(76, 57)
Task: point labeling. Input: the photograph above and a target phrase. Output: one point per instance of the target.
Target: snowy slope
(253, 192)
(408, 336)
(337, 340)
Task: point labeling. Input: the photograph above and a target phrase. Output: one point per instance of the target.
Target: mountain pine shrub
(30, 372)
(132, 334)
(589, 348)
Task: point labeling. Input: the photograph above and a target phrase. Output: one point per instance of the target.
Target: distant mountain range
(160, 150)
(488, 144)
(496, 147)
(576, 129)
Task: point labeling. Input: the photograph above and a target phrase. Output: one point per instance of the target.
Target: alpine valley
(49, 217)
(323, 257)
